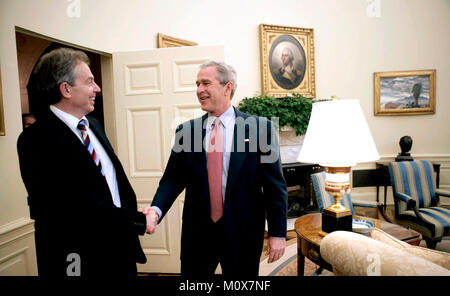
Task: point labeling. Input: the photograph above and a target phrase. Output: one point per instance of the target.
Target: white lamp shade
(338, 135)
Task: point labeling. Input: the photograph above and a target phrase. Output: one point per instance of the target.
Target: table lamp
(337, 138)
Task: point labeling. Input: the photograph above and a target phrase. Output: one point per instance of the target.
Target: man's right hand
(152, 219)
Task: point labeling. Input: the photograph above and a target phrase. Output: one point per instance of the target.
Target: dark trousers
(205, 261)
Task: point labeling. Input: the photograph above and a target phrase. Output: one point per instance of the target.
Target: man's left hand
(275, 248)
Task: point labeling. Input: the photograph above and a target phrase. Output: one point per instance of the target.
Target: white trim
(15, 225)
(15, 231)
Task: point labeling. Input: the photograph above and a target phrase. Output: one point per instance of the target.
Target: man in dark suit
(85, 210)
(229, 164)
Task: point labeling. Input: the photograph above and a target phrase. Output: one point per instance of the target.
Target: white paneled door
(154, 91)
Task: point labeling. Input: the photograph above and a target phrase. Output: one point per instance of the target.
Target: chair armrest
(411, 203)
(406, 198)
(442, 192)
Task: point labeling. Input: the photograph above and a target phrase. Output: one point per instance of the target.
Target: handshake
(152, 219)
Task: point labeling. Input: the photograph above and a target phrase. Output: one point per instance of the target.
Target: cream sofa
(381, 254)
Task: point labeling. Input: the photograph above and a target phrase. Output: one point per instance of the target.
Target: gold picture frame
(165, 41)
(282, 77)
(405, 92)
(2, 113)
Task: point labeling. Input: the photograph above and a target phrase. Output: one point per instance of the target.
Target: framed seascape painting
(287, 61)
(405, 92)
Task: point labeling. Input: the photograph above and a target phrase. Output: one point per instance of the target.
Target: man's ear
(65, 90)
(229, 88)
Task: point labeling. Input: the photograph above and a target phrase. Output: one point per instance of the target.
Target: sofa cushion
(358, 255)
(437, 257)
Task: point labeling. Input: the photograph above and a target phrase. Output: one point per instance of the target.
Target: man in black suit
(248, 183)
(85, 210)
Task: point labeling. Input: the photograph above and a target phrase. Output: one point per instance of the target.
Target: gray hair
(56, 67)
(225, 73)
(288, 51)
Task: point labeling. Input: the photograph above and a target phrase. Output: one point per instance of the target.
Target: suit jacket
(255, 188)
(72, 204)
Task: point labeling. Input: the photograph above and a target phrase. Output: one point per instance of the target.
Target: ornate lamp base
(336, 216)
(332, 221)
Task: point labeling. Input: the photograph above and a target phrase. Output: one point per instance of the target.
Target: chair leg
(382, 210)
(431, 243)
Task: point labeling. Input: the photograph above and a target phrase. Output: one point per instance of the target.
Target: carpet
(287, 265)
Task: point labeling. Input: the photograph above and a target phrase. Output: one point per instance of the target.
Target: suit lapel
(237, 157)
(63, 134)
(200, 157)
(121, 177)
(103, 140)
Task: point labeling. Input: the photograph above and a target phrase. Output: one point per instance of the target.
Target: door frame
(106, 79)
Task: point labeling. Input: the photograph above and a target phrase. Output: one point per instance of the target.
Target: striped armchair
(417, 200)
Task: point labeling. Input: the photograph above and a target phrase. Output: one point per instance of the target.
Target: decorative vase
(290, 144)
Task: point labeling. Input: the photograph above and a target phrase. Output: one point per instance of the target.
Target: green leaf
(293, 111)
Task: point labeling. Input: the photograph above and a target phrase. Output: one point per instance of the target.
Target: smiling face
(79, 99)
(213, 96)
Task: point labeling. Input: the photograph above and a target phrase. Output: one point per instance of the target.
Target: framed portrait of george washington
(287, 61)
(405, 92)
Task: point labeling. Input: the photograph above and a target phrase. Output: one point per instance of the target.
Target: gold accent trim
(337, 189)
(337, 210)
(431, 109)
(337, 170)
(165, 41)
(305, 37)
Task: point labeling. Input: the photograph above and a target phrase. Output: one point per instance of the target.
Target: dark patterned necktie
(87, 143)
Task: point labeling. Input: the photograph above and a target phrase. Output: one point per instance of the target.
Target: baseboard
(17, 248)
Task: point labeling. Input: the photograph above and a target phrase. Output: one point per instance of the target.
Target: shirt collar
(226, 117)
(70, 120)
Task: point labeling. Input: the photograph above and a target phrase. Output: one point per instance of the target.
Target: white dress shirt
(107, 165)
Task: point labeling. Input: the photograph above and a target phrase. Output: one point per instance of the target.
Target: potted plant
(293, 113)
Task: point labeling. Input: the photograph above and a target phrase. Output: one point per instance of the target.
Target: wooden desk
(370, 177)
(308, 226)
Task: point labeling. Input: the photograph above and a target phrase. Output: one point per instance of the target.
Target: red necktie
(215, 171)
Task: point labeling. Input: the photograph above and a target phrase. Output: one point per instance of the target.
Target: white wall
(350, 45)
